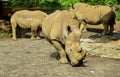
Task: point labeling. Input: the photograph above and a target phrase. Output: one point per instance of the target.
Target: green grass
(4, 35)
(118, 15)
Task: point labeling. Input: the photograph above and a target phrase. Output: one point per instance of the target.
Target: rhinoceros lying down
(63, 32)
(27, 19)
(95, 15)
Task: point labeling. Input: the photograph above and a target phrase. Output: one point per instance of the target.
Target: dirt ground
(37, 58)
(104, 46)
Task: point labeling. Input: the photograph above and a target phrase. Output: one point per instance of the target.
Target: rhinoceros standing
(94, 15)
(27, 19)
(63, 31)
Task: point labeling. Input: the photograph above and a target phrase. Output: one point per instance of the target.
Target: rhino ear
(72, 13)
(72, 6)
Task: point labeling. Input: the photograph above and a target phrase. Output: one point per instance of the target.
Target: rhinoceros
(27, 19)
(95, 15)
(114, 7)
(63, 31)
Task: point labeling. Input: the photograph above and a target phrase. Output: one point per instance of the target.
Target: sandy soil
(26, 58)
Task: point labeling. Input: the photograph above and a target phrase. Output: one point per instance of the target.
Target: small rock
(92, 71)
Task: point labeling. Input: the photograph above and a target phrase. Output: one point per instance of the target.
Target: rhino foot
(84, 30)
(33, 38)
(110, 33)
(63, 60)
(14, 39)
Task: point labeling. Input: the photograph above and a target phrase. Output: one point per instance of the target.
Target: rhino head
(73, 48)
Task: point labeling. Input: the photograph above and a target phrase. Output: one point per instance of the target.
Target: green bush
(66, 4)
(55, 4)
(50, 4)
(111, 1)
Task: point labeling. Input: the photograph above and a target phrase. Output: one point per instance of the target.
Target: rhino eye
(70, 50)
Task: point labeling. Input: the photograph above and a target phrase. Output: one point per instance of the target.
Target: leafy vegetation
(55, 4)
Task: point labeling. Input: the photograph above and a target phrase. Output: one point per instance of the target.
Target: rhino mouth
(80, 62)
(76, 65)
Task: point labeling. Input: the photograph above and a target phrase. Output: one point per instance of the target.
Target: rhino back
(91, 13)
(91, 9)
(51, 23)
(26, 19)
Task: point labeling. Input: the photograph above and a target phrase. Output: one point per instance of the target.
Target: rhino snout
(80, 61)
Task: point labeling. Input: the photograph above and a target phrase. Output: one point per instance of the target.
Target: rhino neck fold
(61, 42)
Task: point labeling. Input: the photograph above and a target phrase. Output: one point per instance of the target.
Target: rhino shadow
(26, 33)
(97, 35)
(55, 55)
(95, 30)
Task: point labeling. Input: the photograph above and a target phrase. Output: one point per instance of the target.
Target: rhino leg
(105, 29)
(14, 25)
(38, 32)
(33, 32)
(61, 52)
(85, 28)
(111, 29)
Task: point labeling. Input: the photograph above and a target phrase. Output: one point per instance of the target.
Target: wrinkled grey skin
(95, 15)
(27, 19)
(63, 32)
